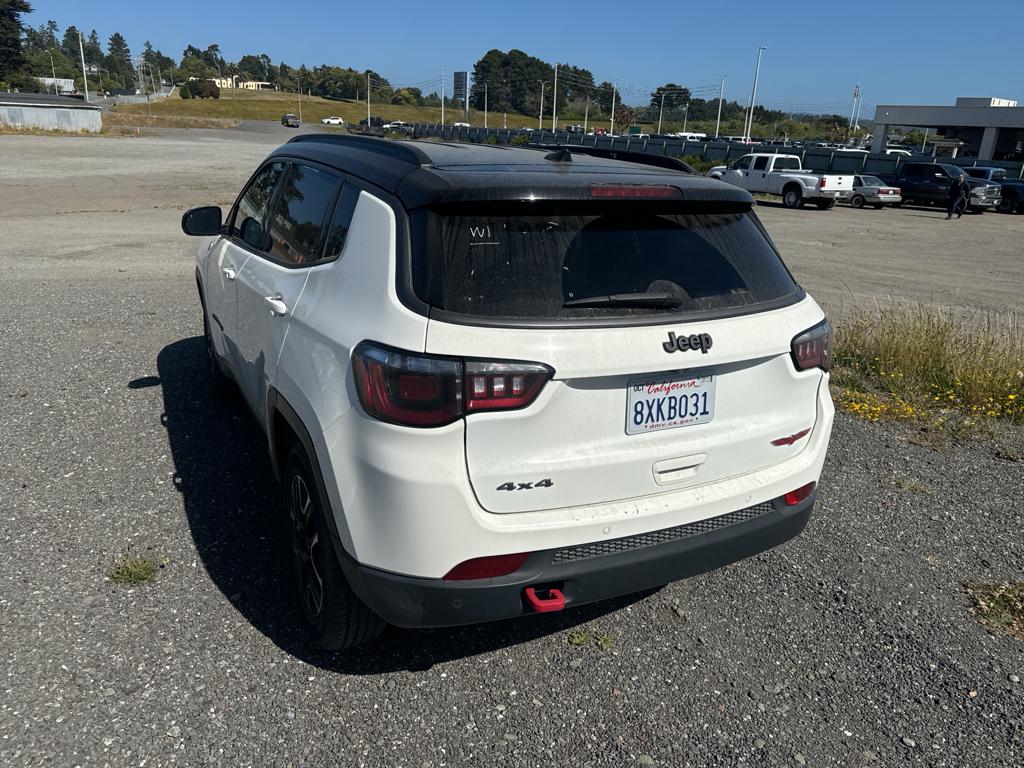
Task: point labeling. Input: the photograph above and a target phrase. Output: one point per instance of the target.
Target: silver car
(871, 190)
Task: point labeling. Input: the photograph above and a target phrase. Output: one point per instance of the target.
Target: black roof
(426, 173)
(43, 100)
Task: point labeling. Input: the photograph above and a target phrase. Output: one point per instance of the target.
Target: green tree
(676, 97)
(12, 57)
(92, 49)
(119, 57)
(69, 44)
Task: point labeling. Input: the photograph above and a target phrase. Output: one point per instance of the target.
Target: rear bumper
(584, 574)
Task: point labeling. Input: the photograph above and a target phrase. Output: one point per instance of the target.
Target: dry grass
(271, 105)
(124, 119)
(999, 606)
(949, 368)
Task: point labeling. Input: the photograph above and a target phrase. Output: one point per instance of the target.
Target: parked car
(461, 125)
(1011, 189)
(372, 122)
(334, 120)
(476, 411)
(290, 121)
(927, 183)
(782, 175)
(871, 190)
(398, 126)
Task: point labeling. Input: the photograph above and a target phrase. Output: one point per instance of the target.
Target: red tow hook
(545, 599)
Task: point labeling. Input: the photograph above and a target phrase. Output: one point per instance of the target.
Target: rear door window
(297, 226)
(560, 264)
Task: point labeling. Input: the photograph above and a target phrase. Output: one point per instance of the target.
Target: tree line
(511, 81)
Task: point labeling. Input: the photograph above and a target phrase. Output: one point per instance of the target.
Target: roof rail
(626, 155)
(397, 150)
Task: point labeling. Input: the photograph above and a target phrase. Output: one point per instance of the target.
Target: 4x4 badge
(694, 341)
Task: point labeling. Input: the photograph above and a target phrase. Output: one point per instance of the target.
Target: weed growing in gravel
(133, 570)
(925, 363)
(604, 642)
(579, 637)
(1000, 606)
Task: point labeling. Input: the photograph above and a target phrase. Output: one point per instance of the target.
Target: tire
(792, 197)
(825, 205)
(220, 384)
(1008, 205)
(857, 201)
(334, 617)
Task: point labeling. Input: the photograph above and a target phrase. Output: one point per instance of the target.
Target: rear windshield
(500, 263)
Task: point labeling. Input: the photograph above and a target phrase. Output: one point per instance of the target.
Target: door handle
(277, 305)
(229, 273)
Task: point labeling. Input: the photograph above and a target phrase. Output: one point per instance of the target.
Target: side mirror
(202, 221)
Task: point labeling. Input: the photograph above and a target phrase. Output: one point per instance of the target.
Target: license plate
(667, 402)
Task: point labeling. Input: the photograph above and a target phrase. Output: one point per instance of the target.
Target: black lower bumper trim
(414, 602)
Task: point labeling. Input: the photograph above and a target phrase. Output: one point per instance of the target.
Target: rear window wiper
(655, 299)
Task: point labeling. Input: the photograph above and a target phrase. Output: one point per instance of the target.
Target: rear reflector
(487, 567)
(790, 439)
(813, 348)
(635, 190)
(800, 494)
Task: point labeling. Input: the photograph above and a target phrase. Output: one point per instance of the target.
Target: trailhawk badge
(694, 341)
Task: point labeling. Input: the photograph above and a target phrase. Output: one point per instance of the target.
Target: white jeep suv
(497, 380)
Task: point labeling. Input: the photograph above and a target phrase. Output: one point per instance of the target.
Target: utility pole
(661, 111)
(367, 98)
(485, 105)
(721, 97)
(56, 88)
(85, 77)
(753, 95)
(686, 114)
(586, 112)
(540, 115)
(853, 110)
(856, 118)
(611, 127)
(442, 97)
(554, 101)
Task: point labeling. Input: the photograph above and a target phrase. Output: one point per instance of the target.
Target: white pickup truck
(782, 175)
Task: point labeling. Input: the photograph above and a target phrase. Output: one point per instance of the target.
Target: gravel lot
(851, 645)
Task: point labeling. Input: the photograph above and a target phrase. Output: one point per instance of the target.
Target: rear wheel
(825, 205)
(792, 197)
(1009, 204)
(335, 617)
(857, 201)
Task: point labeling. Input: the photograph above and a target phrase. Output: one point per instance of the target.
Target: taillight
(503, 386)
(813, 348)
(487, 567)
(821, 183)
(419, 390)
(800, 494)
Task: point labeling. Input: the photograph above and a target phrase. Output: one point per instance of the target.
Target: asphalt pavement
(852, 645)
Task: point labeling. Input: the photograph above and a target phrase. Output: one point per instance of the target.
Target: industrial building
(48, 112)
(990, 129)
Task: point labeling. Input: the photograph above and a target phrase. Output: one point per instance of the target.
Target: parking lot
(853, 644)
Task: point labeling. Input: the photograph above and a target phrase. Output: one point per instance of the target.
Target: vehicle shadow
(236, 518)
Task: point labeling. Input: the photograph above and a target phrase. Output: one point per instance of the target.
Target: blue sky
(906, 53)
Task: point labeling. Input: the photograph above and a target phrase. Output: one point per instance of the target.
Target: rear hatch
(668, 329)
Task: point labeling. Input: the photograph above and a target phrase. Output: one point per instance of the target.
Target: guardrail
(819, 159)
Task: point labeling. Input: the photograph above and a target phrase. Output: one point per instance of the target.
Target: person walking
(954, 197)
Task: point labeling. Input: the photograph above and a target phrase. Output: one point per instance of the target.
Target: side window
(250, 218)
(742, 164)
(915, 171)
(760, 163)
(337, 231)
(297, 224)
